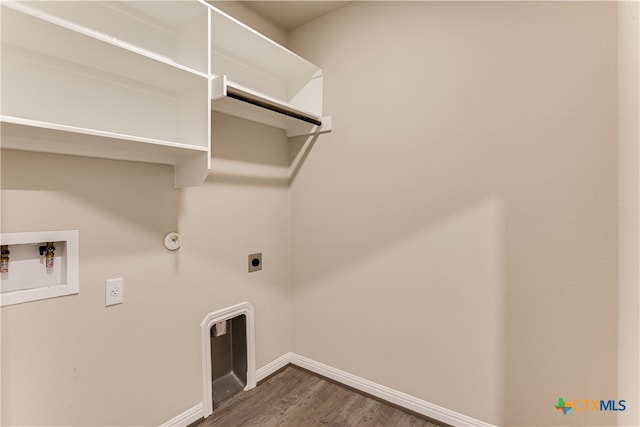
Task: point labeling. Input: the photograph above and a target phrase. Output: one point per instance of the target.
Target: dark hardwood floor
(294, 397)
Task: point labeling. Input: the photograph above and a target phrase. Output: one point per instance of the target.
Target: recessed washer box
(29, 278)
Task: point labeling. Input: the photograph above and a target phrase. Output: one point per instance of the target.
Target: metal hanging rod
(240, 95)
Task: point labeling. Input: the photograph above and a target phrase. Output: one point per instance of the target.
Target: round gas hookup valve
(172, 241)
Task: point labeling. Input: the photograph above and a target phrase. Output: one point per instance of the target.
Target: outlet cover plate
(114, 292)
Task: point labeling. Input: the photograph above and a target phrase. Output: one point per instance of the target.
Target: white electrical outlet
(114, 292)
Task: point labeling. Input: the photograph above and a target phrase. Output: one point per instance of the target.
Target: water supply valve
(50, 254)
(4, 258)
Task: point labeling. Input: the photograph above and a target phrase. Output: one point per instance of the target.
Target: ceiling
(291, 14)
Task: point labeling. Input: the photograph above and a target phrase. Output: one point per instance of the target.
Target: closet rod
(245, 97)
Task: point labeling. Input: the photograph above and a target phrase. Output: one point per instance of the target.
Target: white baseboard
(403, 400)
(187, 417)
(273, 366)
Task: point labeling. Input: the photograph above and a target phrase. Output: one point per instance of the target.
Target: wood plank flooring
(296, 398)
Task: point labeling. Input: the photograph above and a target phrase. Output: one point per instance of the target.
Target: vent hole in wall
(228, 358)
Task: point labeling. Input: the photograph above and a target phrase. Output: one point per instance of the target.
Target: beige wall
(629, 190)
(70, 360)
(455, 236)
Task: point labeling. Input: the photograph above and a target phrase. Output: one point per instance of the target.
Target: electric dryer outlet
(255, 262)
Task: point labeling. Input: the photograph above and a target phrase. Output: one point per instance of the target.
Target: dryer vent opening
(228, 358)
